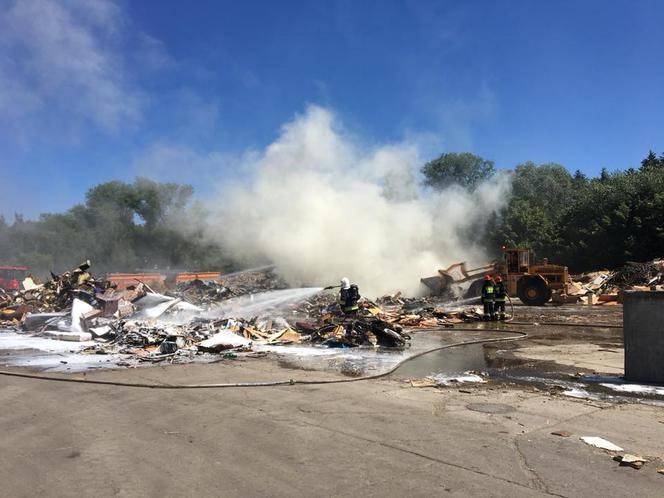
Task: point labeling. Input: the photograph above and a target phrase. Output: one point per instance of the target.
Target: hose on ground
(290, 382)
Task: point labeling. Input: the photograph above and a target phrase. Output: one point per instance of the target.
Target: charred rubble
(186, 321)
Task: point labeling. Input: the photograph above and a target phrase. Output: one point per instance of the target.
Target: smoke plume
(321, 206)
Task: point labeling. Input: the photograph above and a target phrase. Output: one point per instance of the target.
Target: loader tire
(533, 291)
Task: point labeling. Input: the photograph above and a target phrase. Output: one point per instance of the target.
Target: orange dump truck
(124, 280)
(159, 280)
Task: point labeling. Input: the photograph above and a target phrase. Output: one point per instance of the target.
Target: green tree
(651, 161)
(120, 227)
(465, 169)
(541, 194)
(526, 224)
(547, 186)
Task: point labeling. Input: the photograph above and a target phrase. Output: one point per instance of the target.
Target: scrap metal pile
(639, 274)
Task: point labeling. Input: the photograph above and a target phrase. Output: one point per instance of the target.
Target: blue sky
(94, 90)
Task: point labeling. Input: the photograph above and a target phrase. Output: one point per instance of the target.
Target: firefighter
(349, 295)
(501, 294)
(488, 298)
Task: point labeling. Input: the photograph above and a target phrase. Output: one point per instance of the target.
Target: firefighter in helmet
(500, 292)
(488, 298)
(349, 295)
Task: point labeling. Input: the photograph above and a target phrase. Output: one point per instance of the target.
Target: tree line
(581, 222)
(584, 223)
(144, 225)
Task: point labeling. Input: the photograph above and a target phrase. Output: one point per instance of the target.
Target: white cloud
(151, 53)
(65, 57)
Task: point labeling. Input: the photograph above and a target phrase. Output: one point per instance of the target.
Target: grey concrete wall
(643, 330)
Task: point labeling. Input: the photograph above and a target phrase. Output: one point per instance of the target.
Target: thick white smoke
(321, 207)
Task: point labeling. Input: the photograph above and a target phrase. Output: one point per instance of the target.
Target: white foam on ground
(346, 353)
(295, 350)
(619, 384)
(50, 354)
(14, 341)
(635, 388)
(451, 379)
(363, 361)
(63, 362)
(580, 393)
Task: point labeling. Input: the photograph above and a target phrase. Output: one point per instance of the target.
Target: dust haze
(321, 205)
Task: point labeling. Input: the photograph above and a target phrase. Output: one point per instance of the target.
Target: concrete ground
(580, 356)
(369, 438)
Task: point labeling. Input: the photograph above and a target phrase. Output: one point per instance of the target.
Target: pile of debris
(202, 293)
(423, 313)
(168, 329)
(605, 287)
(200, 317)
(147, 326)
(255, 280)
(55, 295)
(207, 293)
(639, 274)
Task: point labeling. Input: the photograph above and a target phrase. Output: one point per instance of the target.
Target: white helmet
(345, 283)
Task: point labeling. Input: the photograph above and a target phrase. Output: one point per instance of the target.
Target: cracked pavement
(373, 438)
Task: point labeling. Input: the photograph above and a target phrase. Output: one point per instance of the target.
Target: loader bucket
(436, 284)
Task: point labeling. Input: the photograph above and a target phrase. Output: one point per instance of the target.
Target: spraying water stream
(256, 304)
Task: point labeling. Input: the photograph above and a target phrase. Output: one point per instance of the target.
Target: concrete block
(643, 329)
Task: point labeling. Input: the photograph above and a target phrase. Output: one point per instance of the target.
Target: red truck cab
(12, 276)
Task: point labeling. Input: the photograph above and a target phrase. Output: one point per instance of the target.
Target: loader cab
(516, 260)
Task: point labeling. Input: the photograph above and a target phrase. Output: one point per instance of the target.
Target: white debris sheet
(224, 339)
(10, 340)
(599, 442)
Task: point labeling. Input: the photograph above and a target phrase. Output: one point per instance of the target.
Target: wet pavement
(500, 363)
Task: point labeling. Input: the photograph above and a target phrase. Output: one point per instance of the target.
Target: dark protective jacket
(488, 291)
(500, 291)
(348, 298)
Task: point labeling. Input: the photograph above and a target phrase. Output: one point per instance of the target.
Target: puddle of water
(580, 388)
(457, 361)
(446, 361)
(370, 361)
(348, 361)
